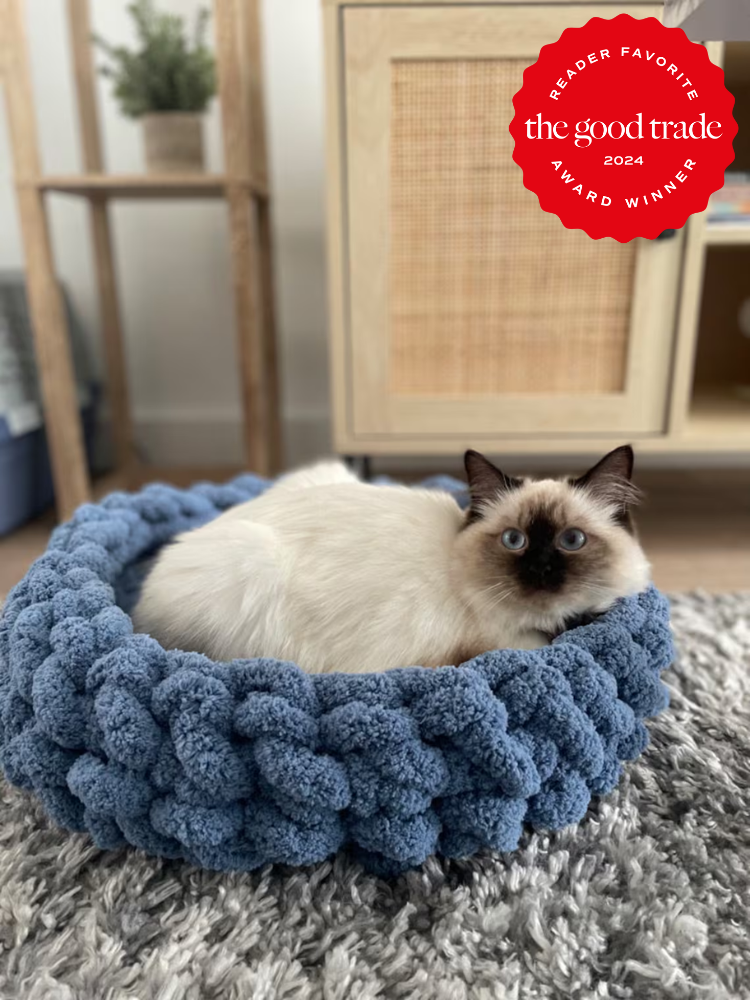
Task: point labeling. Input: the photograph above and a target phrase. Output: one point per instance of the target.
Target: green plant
(167, 72)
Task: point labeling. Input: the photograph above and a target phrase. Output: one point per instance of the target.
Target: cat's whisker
(502, 588)
(503, 594)
(597, 591)
(496, 586)
(499, 600)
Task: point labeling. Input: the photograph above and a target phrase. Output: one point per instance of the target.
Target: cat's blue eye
(572, 539)
(513, 539)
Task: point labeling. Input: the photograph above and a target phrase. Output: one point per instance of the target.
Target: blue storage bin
(25, 475)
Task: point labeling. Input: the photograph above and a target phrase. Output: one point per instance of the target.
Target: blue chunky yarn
(234, 765)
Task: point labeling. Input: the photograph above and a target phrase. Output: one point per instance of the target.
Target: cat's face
(549, 550)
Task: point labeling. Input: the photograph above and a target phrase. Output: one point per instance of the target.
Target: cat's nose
(551, 581)
(542, 572)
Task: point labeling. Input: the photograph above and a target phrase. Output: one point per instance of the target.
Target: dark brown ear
(486, 483)
(610, 480)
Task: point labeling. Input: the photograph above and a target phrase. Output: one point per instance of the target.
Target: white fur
(323, 570)
(333, 574)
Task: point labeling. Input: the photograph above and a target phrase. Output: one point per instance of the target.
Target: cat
(336, 574)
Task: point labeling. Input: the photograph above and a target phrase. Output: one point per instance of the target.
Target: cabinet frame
(374, 38)
(683, 430)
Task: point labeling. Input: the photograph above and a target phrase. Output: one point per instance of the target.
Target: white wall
(172, 258)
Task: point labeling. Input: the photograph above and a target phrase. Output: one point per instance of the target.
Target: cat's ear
(610, 480)
(486, 483)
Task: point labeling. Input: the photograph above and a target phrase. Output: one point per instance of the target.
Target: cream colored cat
(336, 574)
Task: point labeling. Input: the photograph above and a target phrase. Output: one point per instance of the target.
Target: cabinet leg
(360, 465)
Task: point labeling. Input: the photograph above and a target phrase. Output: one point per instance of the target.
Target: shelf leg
(252, 283)
(268, 305)
(109, 310)
(61, 411)
(114, 355)
(250, 342)
(251, 58)
(54, 364)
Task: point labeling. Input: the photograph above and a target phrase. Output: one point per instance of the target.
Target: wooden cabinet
(461, 313)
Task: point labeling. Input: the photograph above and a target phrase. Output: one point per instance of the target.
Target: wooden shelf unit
(244, 187)
(137, 186)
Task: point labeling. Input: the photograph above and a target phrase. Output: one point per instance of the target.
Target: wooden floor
(695, 527)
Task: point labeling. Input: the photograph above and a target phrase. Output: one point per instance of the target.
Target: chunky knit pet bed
(233, 765)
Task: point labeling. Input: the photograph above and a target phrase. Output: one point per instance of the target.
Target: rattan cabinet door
(470, 310)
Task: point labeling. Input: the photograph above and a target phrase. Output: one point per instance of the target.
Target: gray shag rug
(648, 897)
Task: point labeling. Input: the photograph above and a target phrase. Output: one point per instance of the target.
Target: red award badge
(623, 128)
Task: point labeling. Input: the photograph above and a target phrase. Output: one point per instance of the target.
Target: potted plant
(167, 82)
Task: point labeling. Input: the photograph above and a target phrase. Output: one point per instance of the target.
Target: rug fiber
(649, 897)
